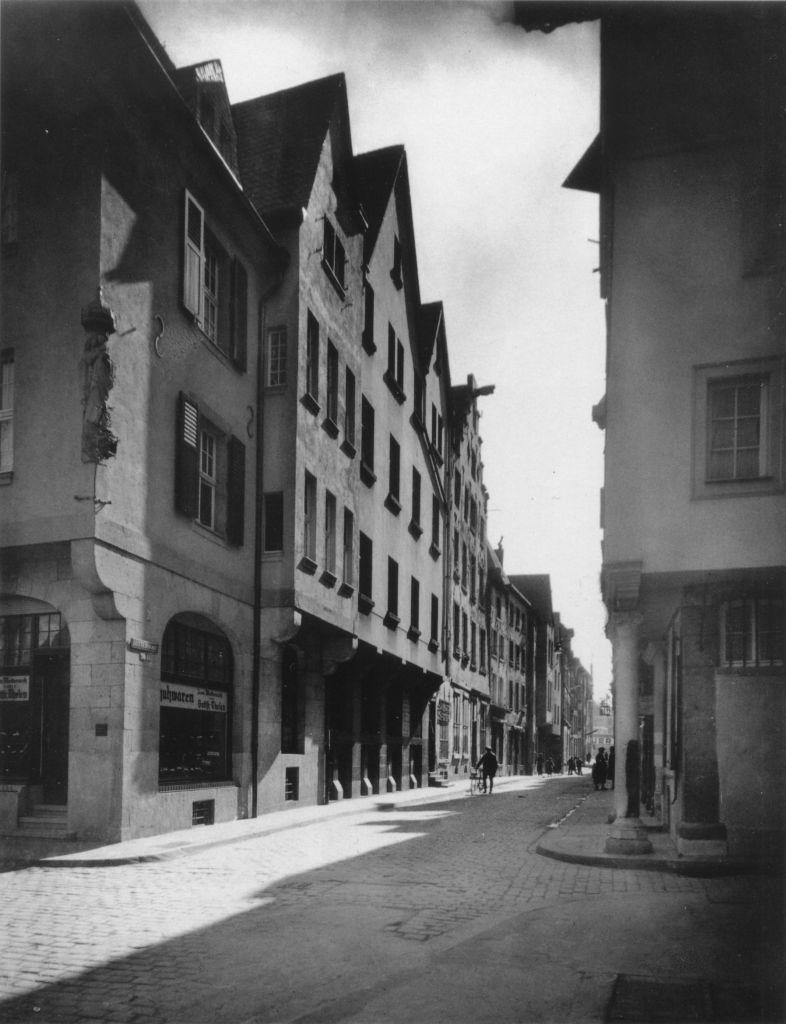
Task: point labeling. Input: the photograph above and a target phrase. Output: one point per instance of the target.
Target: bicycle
(476, 783)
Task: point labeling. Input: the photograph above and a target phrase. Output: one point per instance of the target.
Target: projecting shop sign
(192, 698)
(14, 688)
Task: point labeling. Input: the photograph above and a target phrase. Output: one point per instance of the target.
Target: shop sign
(443, 712)
(192, 698)
(14, 688)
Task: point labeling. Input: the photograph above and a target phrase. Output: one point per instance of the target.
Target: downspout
(259, 492)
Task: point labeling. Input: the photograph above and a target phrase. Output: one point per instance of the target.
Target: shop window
(195, 705)
(6, 414)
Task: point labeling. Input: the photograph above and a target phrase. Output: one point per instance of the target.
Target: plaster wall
(681, 300)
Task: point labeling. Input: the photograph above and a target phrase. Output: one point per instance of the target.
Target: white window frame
(194, 258)
(753, 611)
(770, 373)
(208, 477)
(276, 357)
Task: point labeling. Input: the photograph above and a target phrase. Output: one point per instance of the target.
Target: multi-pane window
(332, 382)
(209, 473)
(456, 626)
(752, 632)
(330, 532)
(737, 411)
(333, 257)
(349, 407)
(6, 411)
(215, 286)
(464, 633)
(348, 565)
(392, 587)
(473, 644)
(434, 618)
(483, 649)
(273, 510)
(276, 357)
(207, 479)
(312, 357)
(365, 566)
(310, 517)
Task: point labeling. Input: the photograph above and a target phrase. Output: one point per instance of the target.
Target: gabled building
(544, 696)
(129, 469)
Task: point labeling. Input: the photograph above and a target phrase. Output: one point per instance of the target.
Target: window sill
(434, 551)
(394, 387)
(392, 504)
(309, 402)
(275, 389)
(433, 645)
(368, 343)
(365, 604)
(348, 449)
(331, 276)
(391, 620)
(413, 633)
(328, 579)
(415, 529)
(308, 565)
(367, 474)
(346, 590)
(330, 426)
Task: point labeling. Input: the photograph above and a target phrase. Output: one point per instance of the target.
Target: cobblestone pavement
(439, 911)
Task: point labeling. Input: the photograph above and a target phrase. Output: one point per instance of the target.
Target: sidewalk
(580, 838)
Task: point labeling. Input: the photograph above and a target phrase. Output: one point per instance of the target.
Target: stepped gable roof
(280, 139)
(375, 175)
(537, 590)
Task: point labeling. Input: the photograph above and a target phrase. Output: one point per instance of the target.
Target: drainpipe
(259, 492)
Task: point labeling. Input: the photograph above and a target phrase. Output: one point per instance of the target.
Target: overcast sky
(493, 119)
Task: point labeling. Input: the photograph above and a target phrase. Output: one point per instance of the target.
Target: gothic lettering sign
(14, 688)
(193, 698)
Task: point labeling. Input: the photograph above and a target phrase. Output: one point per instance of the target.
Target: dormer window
(333, 257)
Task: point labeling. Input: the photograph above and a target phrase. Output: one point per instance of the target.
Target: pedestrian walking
(488, 765)
(540, 763)
(579, 765)
(549, 766)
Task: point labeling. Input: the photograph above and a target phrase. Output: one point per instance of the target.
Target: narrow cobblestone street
(439, 911)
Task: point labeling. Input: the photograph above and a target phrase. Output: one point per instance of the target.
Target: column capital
(622, 625)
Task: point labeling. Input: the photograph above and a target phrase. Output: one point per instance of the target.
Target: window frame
(770, 371)
(276, 367)
(7, 401)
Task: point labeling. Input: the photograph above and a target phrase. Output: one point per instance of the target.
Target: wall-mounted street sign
(143, 646)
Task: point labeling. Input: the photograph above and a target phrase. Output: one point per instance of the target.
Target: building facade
(690, 171)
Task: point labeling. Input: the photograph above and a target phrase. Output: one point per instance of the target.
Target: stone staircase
(46, 821)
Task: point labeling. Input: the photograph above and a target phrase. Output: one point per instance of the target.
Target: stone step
(50, 811)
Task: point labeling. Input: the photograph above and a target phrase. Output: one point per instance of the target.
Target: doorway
(50, 710)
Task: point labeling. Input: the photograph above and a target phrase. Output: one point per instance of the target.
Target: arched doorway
(195, 721)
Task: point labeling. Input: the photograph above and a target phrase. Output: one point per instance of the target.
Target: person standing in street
(610, 767)
(488, 766)
(599, 770)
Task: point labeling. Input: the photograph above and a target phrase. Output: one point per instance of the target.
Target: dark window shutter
(239, 324)
(187, 457)
(236, 491)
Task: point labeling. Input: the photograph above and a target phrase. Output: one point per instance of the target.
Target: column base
(701, 840)
(628, 836)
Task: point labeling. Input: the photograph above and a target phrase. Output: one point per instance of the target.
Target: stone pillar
(627, 834)
(655, 656)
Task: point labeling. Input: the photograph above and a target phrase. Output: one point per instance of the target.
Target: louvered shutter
(193, 256)
(239, 313)
(187, 458)
(236, 491)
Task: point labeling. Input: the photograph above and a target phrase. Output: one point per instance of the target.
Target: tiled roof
(375, 176)
(537, 590)
(280, 138)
